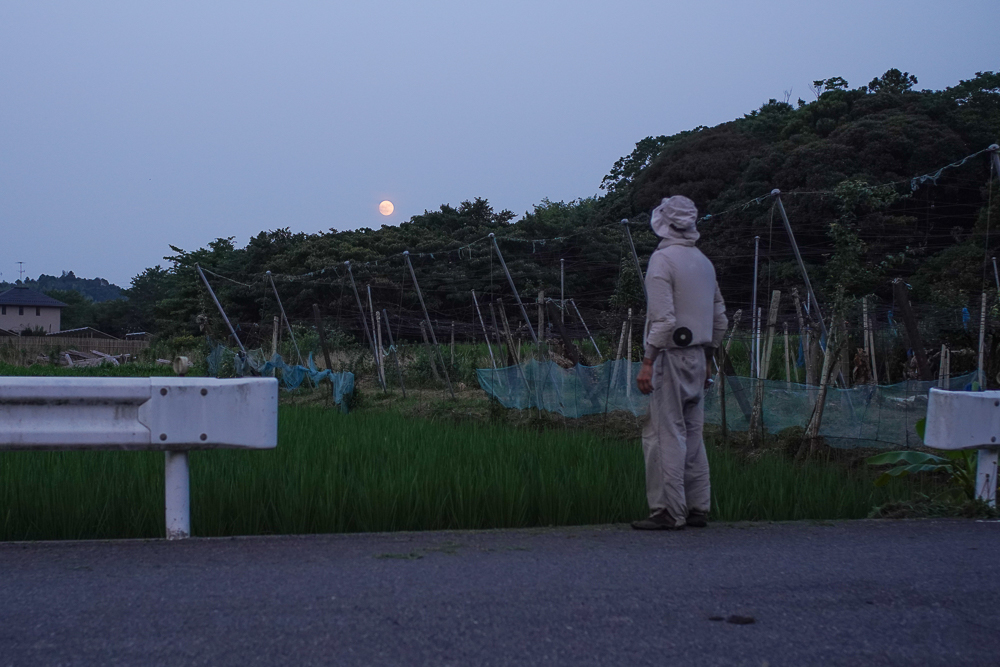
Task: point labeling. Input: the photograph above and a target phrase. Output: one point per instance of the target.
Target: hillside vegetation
(844, 162)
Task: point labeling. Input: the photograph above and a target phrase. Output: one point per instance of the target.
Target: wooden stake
(571, 352)
(982, 338)
(811, 438)
(871, 345)
(274, 336)
(322, 337)
(513, 350)
(395, 352)
(804, 338)
(772, 320)
(541, 321)
(902, 295)
(452, 344)
(941, 363)
(430, 351)
(788, 364)
(628, 363)
(722, 396)
(621, 338)
(381, 351)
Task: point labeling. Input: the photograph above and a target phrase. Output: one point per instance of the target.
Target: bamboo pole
(947, 368)
(867, 331)
(395, 352)
(772, 320)
(754, 313)
(513, 349)
(288, 324)
(420, 297)
(757, 342)
(322, 337)
(517, 297)
(381, 351)
(541, 321)
(803, 338)
(811, 437)
(635, 258)
(429, 350)
(361, 310)
(982, 338)
(871, 345)
(274, 339)
(722, 397)
(902, 296)
(596, 349)
(486, 334)
(221, 310)
(376, 341)
(788, 364)
(628, 363)
(562, 291)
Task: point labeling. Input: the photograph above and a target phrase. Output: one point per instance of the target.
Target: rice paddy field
(383, 471)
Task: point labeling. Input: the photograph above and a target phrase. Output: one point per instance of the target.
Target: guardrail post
(986, 476)
(178, 495)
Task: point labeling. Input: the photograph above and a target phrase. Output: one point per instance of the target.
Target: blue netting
(881, 416)
(291, 376)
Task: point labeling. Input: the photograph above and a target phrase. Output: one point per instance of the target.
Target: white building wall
(33, 316)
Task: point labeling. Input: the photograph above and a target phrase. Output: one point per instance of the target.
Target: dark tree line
(844, 163)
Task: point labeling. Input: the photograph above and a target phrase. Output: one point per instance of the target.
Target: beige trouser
(676, 464)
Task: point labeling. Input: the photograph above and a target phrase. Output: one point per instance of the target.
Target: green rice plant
(382, 471)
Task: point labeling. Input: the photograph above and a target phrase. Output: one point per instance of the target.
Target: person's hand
(645, 377)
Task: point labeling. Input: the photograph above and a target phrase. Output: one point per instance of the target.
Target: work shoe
(697, 519)
(660, 520)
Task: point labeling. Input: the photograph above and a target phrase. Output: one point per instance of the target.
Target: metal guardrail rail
(174, 415)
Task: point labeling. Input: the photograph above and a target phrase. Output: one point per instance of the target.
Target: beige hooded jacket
(684, 305)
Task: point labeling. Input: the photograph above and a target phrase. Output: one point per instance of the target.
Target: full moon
(386, 207)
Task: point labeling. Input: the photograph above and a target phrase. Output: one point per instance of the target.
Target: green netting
(291, 376)
(882, 416)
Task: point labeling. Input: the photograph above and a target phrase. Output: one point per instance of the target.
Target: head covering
(675, 218)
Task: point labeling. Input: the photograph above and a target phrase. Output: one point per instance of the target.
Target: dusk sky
(125, 127)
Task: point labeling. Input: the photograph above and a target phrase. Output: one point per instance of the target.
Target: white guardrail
(174, 414)
(968, 420)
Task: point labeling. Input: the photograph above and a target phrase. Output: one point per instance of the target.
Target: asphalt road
(846, 593)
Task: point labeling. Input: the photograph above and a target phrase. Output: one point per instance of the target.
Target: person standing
(685, 323)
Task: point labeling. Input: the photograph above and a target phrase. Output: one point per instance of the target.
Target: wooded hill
(844, 163)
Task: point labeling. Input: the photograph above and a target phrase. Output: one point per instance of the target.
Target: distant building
(83, 332)
(23, 308)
